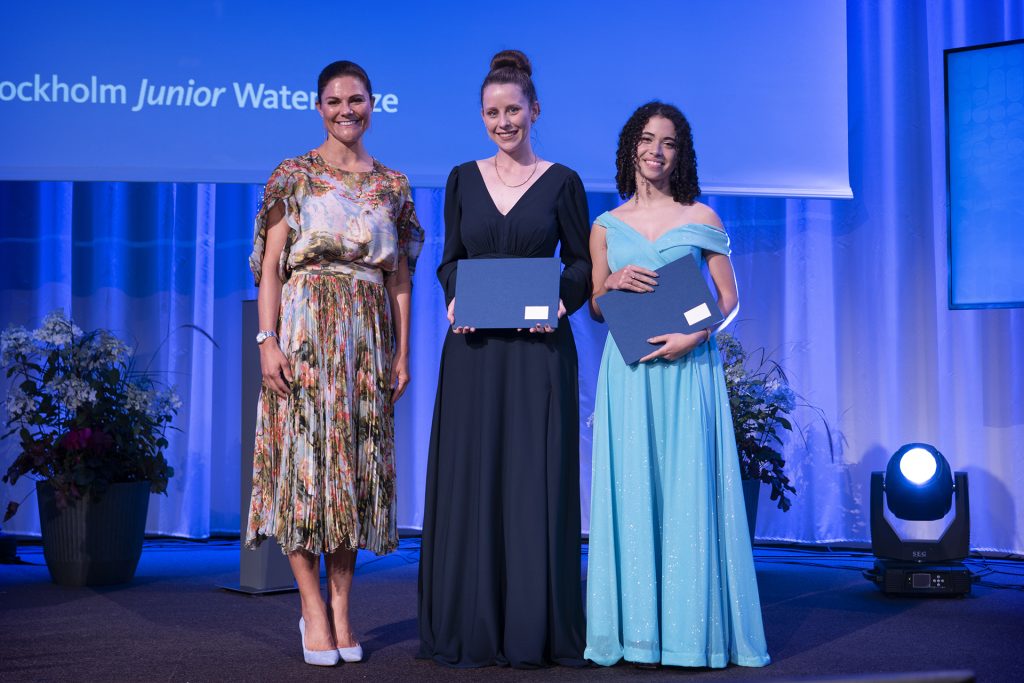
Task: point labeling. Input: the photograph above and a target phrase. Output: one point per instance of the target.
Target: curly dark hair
(683, 181)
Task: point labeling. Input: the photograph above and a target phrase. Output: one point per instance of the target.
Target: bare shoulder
(700, 212)
(623, 211)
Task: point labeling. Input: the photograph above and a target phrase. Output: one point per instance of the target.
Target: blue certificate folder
(681, 302)
(507, 293)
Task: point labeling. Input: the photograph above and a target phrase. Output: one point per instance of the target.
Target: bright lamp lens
(918, 465)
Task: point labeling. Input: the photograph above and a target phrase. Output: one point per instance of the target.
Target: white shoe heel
(317, 657)
(351, 654)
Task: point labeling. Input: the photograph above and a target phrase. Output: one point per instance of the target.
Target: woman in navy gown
(500, 566)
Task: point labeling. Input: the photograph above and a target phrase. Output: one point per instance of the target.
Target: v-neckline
(659, 237)
(519, 201)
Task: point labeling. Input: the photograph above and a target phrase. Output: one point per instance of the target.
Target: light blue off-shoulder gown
(671, 574)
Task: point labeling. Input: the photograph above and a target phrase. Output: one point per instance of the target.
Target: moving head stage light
(918, 486)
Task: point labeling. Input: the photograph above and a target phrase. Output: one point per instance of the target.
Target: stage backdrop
(212, 91)
(849, 295)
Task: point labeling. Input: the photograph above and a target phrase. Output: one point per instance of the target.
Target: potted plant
(91, 430)
(762, 402)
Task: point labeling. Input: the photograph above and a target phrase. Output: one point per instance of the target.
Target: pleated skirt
(323, 463)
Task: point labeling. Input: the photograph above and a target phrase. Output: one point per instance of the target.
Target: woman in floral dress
(335, 245)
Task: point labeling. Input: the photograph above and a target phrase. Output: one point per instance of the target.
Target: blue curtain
(850, 296)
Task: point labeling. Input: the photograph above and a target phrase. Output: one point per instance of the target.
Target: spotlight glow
(918, 465)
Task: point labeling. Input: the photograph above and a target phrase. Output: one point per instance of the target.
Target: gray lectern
(264, 570)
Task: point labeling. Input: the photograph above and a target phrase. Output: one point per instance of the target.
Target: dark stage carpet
(821, 616)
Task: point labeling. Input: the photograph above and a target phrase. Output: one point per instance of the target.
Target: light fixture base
(894, 577)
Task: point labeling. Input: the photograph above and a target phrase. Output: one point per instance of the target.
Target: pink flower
(86, 438)
(76, 439)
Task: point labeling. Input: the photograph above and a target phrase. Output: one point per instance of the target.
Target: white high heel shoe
(347, 654)
(351, 654)
(318, 657)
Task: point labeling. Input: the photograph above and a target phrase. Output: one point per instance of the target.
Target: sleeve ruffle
(410, 233)
(287, 184)
(707, 237)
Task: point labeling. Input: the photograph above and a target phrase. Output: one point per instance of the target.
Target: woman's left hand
(399, 377)
(547, 328)
(675, 345)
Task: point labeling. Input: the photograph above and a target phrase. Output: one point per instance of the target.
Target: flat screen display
(985, 175)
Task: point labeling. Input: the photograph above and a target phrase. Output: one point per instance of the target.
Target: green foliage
(761, 401)
(83, 416)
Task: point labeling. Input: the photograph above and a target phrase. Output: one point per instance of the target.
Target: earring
(645, 185)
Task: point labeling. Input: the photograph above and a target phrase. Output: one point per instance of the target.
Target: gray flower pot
(94, 544)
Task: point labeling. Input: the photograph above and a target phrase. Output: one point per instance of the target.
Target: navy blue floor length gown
(500, 579)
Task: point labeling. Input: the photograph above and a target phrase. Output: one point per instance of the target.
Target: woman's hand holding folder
(632, 279)
(547, 328)
(451, 320)
(675, 345)
(536, 328)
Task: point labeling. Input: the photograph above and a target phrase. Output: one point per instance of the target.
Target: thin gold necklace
(536, 161)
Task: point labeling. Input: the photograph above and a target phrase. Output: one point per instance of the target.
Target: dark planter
(8, 549)
(751, 494)
(94, 544)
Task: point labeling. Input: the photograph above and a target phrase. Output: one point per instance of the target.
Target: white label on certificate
(696, 314)
(535, 313)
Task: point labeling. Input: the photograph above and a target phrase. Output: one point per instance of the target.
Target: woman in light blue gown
(671, 575)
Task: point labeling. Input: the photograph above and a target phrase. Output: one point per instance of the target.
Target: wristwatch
(264, 335)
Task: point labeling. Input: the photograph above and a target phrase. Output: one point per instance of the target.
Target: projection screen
(220, 91)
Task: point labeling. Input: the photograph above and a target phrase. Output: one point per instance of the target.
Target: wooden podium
(265, 570)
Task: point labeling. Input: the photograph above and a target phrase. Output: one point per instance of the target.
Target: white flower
(73, 392)
(163, 403)
(19, 404)
(136, 399)
(14, 342)
(111, 350)
(56, 330)
(88, 377)
(102, 352)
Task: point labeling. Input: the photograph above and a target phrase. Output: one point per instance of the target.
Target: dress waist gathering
(343, 268)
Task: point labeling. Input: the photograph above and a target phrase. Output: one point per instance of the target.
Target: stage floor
(822, 618)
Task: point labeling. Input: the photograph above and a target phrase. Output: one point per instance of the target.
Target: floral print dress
(324, 465)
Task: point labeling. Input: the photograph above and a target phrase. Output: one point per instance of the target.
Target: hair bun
(511, 59)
